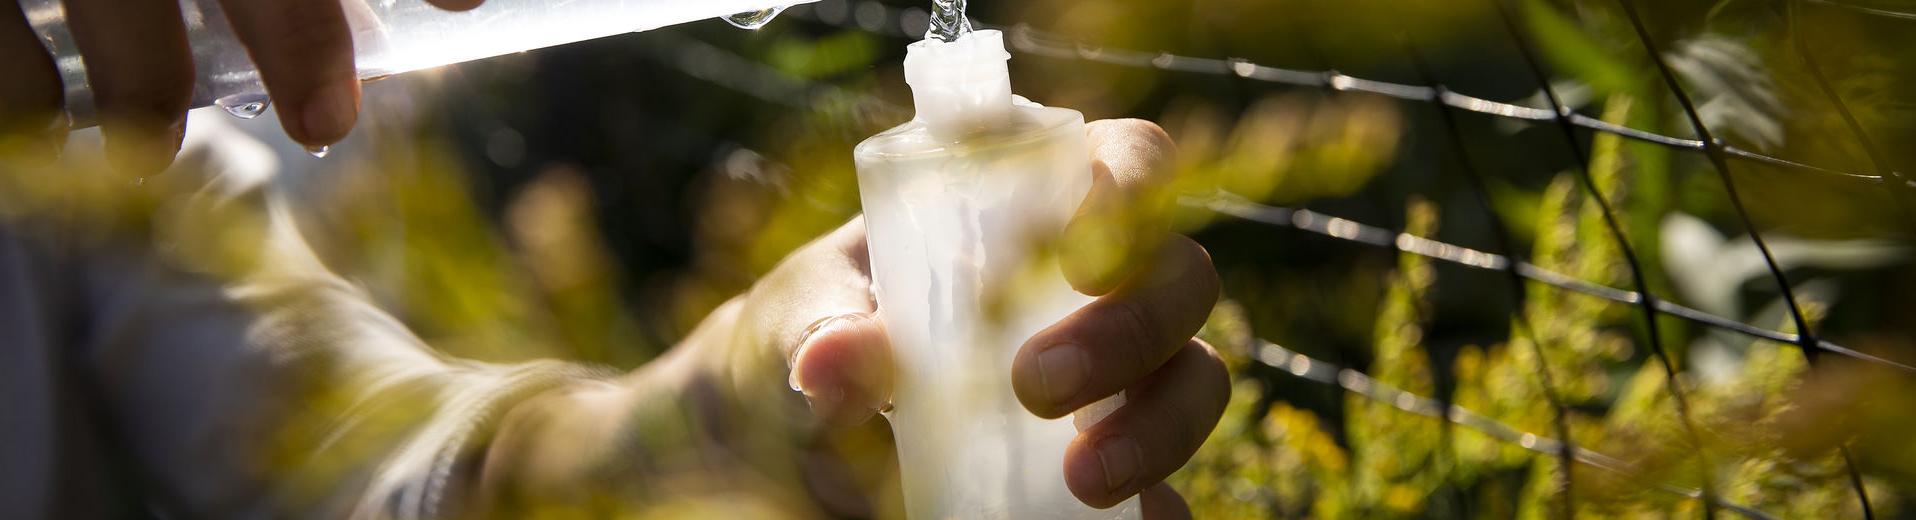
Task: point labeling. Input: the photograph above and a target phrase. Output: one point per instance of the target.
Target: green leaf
(825, 57)
(1571, 49)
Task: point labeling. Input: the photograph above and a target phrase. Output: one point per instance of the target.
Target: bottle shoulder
(1027, 123)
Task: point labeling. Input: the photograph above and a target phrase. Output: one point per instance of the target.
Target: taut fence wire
(728, 69)
(1353, 231)
(872, 16)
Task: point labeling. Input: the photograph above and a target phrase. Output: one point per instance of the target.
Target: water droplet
(753, 19)
(244, 106)
(1338, 81)
(1244, 69)
(319, 151)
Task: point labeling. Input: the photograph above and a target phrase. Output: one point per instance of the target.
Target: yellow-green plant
(1271, 457)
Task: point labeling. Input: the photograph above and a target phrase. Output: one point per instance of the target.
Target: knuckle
(1128, 125)
(1150, 133)
(1185, 265)
(1210, 360)
(1141, 135)
(1195, 421)
(1139, 331)
(1137, 134)
(1187, 431)
(1200, 260)
(1216, 374)
(1192, 434)
(1203, 370)
(1179, 267)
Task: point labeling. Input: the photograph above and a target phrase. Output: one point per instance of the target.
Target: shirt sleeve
(270, 387)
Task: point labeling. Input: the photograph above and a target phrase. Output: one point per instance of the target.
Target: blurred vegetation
(1284, 462)
(594, 201)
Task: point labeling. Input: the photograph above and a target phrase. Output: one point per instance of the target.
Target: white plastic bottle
(959, 203)
(389, 37)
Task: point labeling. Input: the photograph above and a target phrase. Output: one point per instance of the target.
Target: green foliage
(1396, 454)
(1576, 51)
(832, 55)
(1387, 463)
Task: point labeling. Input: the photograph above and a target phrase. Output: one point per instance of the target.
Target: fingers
(1160, 502)
(1166, 417)
(1120, 219)
(816, 307)
(141, 71)
(30, 98)
(1156, 290)
(1108, 345)
(304, 52)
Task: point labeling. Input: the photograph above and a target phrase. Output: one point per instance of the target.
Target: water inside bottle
(753, 20)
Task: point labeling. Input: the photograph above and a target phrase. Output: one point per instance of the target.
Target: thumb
(844, 367)
(815, 312)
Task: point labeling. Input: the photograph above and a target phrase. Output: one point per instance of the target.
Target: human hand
(1155, 289)
(809, 324)
(140, 66)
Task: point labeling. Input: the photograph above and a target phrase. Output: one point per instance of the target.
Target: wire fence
(1357, 382)
(728, 69)
(1353, 231)
(869, 15)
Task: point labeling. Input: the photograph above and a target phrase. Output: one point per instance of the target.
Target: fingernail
(1062, 370)
(828, 399)
(805, 340)
(329, 115)
(1121, 458)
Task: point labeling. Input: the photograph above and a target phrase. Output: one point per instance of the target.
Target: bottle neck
(959, 84)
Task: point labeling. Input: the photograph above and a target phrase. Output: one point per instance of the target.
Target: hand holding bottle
(810, 324)
(1136, 337)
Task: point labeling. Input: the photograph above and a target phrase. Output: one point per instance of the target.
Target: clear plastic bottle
(390, 37)
(959, 203)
